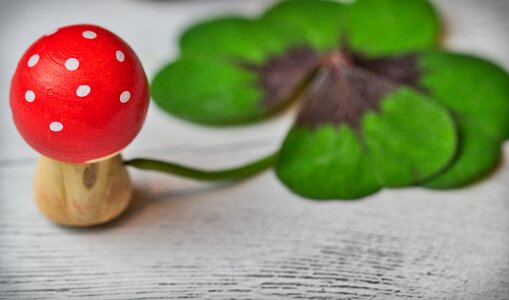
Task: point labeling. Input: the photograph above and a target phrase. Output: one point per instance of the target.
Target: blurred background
(253, 240)
(152, 29)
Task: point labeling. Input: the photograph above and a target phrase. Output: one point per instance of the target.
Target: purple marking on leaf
(338, 87)
(403, 69)
(342, 93)
(281, 76)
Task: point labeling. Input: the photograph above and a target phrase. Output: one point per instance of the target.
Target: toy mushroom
(79, 96)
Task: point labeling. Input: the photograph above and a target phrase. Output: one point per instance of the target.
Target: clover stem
(238, 173)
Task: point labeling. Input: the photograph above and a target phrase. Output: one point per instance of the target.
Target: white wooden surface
(253, 240)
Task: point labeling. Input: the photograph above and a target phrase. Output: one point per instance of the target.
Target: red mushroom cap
(79, 94)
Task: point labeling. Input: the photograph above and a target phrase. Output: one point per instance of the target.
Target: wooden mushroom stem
(82, 194)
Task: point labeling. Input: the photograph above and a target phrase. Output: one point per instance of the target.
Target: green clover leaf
(393, 140)
(223, 74)
(477, 93)
(380, 105)
(391, 27)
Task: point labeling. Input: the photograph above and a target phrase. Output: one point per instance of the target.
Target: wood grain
(253, 240)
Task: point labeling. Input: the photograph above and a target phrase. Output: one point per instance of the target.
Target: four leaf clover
(380, 104)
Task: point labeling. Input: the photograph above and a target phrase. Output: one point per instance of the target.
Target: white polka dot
(72, 64)
(32, 61)
(30, 96)
(125, 96)
(83, 90)
(120, 56)
(88, 34)
(56, 126)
